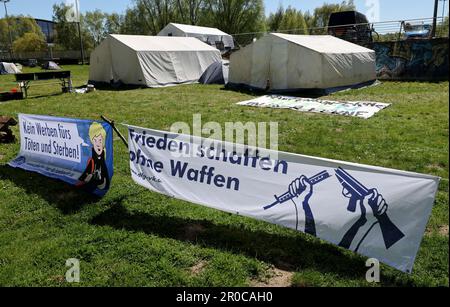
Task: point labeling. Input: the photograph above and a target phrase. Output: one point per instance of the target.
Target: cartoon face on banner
(96, 176)
(79, 152)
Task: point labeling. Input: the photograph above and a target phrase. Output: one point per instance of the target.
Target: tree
(296, 22)
(135, 22)
(442, 28)
(67, 32)
(4, 35)
(95, 24)
(157, 13)
(274, 19)
(19, 25)
(190, 11)
(29, 42)
(149, 17)
(322, 14)
(309, 20)
(293, 22)
(114, 23)
(237, 16)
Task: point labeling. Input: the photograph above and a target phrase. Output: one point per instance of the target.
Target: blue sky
(389, 9)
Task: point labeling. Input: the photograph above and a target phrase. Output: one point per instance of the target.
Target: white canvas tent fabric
(205, 34)
(151, 61)
(288, 62)
(9, 68)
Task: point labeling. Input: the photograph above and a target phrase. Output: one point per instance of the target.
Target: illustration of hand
(376, 202)
(301, 187)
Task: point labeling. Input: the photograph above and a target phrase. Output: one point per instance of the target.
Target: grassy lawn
(133, 237)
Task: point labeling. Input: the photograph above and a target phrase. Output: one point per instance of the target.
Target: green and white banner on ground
(362, 109)
(380, 213)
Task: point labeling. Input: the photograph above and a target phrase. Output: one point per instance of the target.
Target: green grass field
(133, 237)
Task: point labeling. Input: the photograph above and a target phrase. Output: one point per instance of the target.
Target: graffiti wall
(412, 60)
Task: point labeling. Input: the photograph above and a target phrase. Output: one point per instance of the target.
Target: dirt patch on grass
(277, 278)
(191, 232)
(199, 267)
(436, 167)
(443, 230)
(58, 278)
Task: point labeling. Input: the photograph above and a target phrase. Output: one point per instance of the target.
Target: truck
(351, 26)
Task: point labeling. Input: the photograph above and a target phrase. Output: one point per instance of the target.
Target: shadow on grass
(258, 92)
(103, 86)
(284, 252)
(63, 196)
(30, 97)
(417, 80)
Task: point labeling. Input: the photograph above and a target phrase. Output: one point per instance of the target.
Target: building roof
(45, 20)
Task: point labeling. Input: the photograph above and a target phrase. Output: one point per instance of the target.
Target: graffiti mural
(412, 60)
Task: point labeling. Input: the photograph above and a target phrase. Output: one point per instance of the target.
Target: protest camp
(100, 187)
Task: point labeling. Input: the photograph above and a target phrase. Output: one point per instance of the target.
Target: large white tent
(151, 61)
(281, 62)
(205, 34)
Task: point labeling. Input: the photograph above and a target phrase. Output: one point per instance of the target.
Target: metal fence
(70, 55)
(363, 34)
(366, 32)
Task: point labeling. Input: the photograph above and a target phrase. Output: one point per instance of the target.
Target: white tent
(206, 35)
(151, 61)
(281, 62)
(8, 68)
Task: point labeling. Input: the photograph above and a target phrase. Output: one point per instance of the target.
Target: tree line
(26, 35)
(149, 17)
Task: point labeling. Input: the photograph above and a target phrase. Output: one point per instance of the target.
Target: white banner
(362, 109)
(380, 213)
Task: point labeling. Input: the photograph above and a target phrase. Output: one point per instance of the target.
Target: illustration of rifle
(357, 192)
(288, 196)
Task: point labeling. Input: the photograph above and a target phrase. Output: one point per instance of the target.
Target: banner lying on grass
(79, 152)
(381, 213)
(362, 109)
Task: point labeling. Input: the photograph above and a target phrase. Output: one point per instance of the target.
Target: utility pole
(433, 30)
(443, 11)
(9, 30)
(79, 32)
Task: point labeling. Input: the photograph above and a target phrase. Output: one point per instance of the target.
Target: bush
(29, 42)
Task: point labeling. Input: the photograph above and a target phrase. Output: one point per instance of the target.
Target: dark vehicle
(351, 26)
(31, 63)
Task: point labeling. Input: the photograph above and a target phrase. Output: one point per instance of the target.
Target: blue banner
(79, 152)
